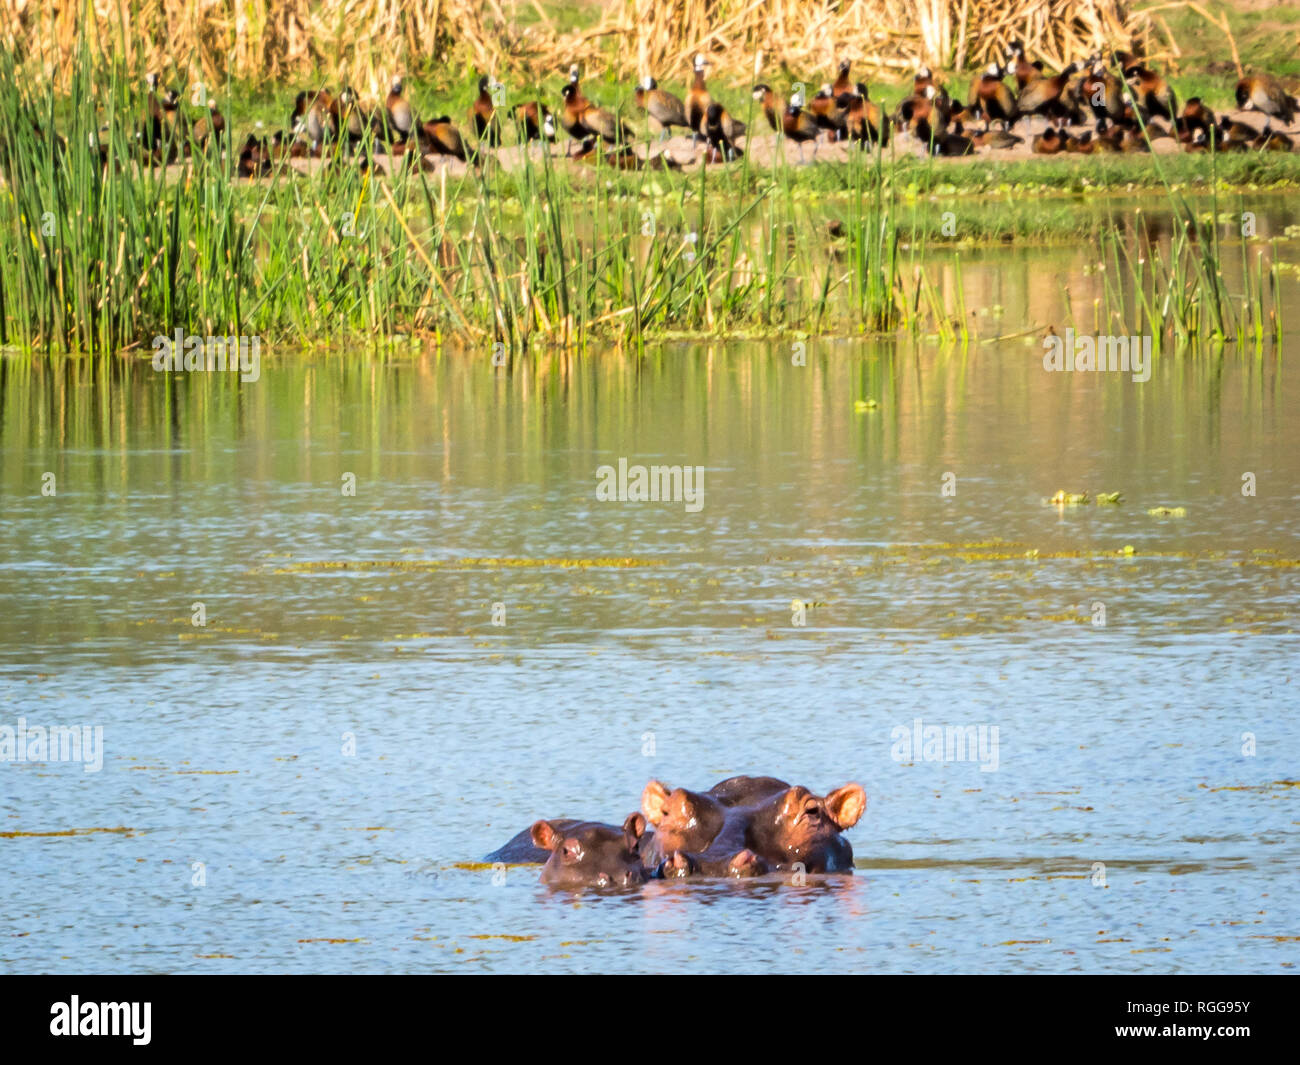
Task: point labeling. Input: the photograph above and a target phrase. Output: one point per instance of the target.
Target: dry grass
(747, 35)
(366, 41)
(360, 41)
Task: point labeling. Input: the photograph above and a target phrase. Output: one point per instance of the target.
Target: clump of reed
(876, 34)
(362, 41)
(111, 249)
(365, 42)
(1177, 291)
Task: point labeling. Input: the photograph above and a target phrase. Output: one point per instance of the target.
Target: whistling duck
(715, 129)
(733, 127)
(663, 109)
(400, 122)
(1230, 136)
(1049, 142)
(624, 157)
(530, 119)
(211, 129)
(866, 122)
(1263, 92)
(842, 82)
(1130, 138)
(799, 126)
(1196, 117)
(298, 146)
(923, 79)
(348, 118)
(1083, 144)
(996, 138)
(313, 112)
(828, 114)
(990, 97)
(571, 113)
(483, 114)
(946, 142)
(933, 107)
(1046, 95)
(1102, 93)
(1025, 71)
(1127, 62)
(697, 99)
(151, 130)
(440, 137)
(767, 100)
(175, 127)
(255, 157)
(164, 130)
(582, 119)
(1153, 94)
(1232, 130)
(1270, 140)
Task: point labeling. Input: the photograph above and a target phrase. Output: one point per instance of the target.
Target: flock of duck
(1115, 105)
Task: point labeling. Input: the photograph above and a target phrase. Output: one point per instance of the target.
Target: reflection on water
(296, 783)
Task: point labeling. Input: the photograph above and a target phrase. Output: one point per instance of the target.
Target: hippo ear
(633, 830)
(545, 835)
(845, 805)
(654, 801)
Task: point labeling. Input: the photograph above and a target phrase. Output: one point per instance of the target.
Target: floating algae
(465, 563)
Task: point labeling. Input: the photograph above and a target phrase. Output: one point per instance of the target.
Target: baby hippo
(590, 854)
(780, 824)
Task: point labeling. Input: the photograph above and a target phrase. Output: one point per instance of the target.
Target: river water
(306, 781)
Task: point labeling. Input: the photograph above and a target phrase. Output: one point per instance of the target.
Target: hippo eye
(571, 851)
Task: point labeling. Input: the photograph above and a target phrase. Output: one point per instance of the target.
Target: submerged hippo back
(746, 791)
(522, 848)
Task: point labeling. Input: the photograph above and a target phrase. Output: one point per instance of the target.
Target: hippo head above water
(781, 824)
(683, 820)
(591, 854)
(690, 820)
(797, 826)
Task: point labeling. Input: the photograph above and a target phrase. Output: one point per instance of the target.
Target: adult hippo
(782, 825)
